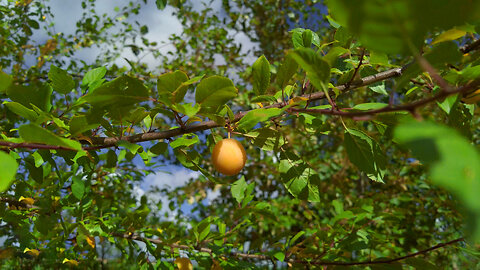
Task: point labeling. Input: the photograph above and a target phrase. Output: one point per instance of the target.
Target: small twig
(406, 107)
(179, 120)
(106, 142)
(264, 257)
(347, 85)
(470, 47)
(18, 203)
(433, 73)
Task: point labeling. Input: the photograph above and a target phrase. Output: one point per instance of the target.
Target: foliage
(360, 125)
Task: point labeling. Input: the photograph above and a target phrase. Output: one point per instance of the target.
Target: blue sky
(161, 24)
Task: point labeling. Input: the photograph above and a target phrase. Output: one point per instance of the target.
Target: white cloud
(171, 178)
(161, 24)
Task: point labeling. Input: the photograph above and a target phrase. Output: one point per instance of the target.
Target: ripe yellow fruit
(229, 157)
(183, 264)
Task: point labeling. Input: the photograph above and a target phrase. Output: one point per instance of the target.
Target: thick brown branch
(470, 47)
(105, 142)
(347, 85)
(32, 146)
(370, 262)
(264, 257)
(407, 107)
(16, 203)
(109, 141)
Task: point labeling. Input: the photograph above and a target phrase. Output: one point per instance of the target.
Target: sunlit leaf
(8, 167)
(213, 92)
(261, 75)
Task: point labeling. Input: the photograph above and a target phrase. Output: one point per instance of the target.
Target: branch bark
(470, 47)
(106, 142)
(411, 107)
(149, 136)
(264, 257)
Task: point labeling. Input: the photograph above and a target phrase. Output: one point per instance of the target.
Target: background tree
(359, 123)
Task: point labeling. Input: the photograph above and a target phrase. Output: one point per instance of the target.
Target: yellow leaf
(297, 100)
(91, 241)
(159, 230)
(70, 262)
(183, 264)
(193, 119)
(472, 98)
(32, 252)
(83, 137)
(6, 253)
(451, 34)
(29, 201)
(216, 266)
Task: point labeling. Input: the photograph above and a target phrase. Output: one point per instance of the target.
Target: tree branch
(470, 47)
(105, 142)
(149, 136)
(264, 257)
(406, 107)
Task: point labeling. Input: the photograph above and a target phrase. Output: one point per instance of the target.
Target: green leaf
(300, 180)
(449, 35)
(203, 228)
(333, 54)
(286, 70)
(266, 138)
(111, 159)
(379, 89)
(448, 103)
(93, 76)
(469, 73)
(132, 147)
(396, 26)
(263, 98)
(26, 95)
(261, 75)
(35, 134)
(21, 110)
(61, 81)
(81, 123)
(38, 159)
(296, 237)
(168, 83)
(369, 106)
(5, 81)
(279, 256)
(454, 163)
(343, 36)
(78, 187)
(117, 97)
(365, 153)
(420, 264)
(439, 56)
(159, 148)
(137, 115)
(161, 4)
(304, 38)
(378, 58)
(45, 223)
(253, 117)
(238, 189)
(318, 70)
(185, 141)
(188, 109)
(8, 169)
(213, 92)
